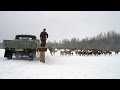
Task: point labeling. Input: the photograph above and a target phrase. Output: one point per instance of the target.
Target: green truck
(21, 46)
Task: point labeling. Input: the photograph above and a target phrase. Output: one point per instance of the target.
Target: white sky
(59, 24)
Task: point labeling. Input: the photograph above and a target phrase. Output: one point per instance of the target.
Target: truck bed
(20, 44)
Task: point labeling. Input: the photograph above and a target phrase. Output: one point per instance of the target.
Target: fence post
(42, 51)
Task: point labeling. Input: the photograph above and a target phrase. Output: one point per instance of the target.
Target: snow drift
(61, 67)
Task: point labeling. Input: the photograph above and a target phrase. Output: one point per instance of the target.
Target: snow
(61, 67)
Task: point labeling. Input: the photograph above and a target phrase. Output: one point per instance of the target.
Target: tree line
(103, 41)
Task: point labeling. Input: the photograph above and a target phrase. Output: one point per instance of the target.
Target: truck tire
(31, 56)
(34, 54)
(8, 54)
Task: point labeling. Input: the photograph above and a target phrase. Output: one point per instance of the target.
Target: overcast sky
(58, 24)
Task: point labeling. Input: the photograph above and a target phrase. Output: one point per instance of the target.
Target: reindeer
(116, 52)
(52, 51)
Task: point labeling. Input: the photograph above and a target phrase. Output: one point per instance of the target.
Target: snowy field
(58, 67)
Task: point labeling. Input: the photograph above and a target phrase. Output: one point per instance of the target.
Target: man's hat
(44, 29)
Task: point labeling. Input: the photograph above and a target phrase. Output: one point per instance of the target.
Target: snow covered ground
(58, 67)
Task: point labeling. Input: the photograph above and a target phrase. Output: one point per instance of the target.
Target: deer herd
(80, 52)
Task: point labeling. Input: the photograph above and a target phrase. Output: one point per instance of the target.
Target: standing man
(43, 36)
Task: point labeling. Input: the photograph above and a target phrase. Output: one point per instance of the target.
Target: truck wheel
(31, 56)
(34, 54)
(8, 54)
